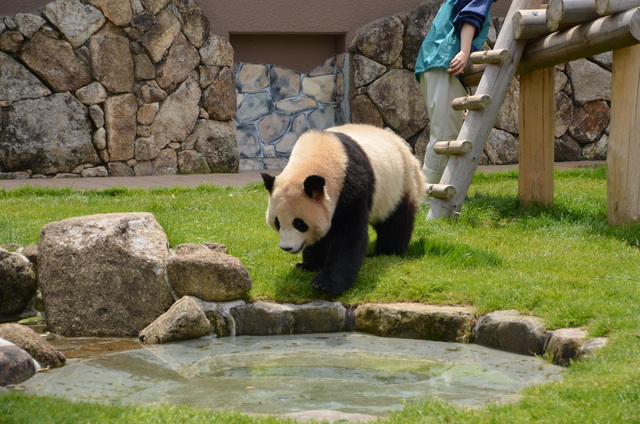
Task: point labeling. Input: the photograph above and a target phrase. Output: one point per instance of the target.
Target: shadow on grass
(296, 284)
(491, 210)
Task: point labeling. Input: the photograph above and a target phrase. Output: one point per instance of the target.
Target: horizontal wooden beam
(479, 101)
(490, 56)
(441, 191)
(454, 147)
(569, 12)
(596, 37)
(611, 7)
(602, 35)
(529, 24)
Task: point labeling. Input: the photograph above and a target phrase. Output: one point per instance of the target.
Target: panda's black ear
(268, 181)
(314, 186)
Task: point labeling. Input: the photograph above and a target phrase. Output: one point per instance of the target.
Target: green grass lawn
(563, 264)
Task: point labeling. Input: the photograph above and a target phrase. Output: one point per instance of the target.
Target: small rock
(15, 364)
(185, 320)
(27, 339)
(510, 331)
(211, 276)
(565, 344)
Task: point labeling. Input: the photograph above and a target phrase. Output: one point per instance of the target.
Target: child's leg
(439, 89)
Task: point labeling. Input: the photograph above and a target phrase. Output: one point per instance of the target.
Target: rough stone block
(415, 321)
(185, 320)
(27, 339)
(103, 275)
(208, 275)
(565, 344)
(510, 331)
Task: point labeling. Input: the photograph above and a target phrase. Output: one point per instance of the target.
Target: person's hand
(458, 63)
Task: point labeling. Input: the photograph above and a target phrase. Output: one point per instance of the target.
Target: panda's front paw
(328, 286)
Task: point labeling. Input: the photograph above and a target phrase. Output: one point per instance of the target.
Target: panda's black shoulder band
(359, 177)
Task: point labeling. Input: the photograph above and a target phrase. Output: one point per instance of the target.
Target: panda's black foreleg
(348, 245)
(394, 234)
(314, 256)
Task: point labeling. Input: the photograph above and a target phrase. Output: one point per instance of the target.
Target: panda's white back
(397, 172)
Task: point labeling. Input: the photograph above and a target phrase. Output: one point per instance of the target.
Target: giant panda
(336, 182)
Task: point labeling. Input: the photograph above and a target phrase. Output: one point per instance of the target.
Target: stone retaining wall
(118, 88)
(276, 105)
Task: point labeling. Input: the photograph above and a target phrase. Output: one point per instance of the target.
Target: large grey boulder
(17, 283)
(415, 321)
(185, 320)
(47, 135)
(103, 275)
(27, 339)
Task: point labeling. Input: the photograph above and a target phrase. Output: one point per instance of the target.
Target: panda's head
(298, 210)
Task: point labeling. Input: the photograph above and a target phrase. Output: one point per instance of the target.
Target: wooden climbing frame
(532, 41)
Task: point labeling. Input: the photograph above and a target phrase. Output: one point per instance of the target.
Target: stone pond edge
(507, 330)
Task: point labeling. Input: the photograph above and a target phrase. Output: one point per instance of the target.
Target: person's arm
(459, 61)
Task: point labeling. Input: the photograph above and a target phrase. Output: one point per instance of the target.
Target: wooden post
(537, 122)
(623, 155)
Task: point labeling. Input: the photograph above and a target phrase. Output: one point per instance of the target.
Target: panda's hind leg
(394, 233)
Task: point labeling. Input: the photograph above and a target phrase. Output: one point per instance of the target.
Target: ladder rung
(456, 147)
(471, 102)
(490, 56)
(441, 191)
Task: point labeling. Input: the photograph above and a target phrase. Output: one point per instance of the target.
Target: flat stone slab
(415, 321)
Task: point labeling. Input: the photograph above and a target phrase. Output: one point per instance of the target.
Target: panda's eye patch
(300, 225)
(277, 224)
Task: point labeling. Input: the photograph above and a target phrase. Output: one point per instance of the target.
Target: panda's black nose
(286, 248)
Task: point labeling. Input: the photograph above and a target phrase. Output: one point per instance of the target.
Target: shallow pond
(348, 372)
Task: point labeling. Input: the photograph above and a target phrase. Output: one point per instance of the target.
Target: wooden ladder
(483, 109)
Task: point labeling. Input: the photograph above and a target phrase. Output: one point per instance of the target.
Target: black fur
(339, 254)
(394, 234)
(268, 181)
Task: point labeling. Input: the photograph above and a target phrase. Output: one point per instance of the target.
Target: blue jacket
(442, 42)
